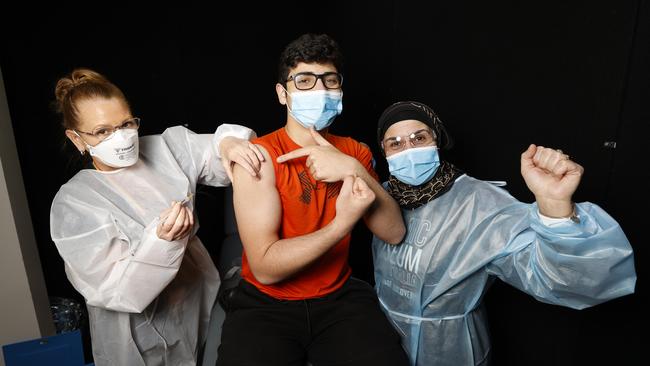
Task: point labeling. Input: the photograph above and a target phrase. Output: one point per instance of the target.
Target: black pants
(346, 327)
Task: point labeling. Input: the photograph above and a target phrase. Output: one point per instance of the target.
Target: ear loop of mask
(286, 95)
(83, 152)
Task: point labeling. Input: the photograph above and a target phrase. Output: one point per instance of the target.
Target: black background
(570, 75)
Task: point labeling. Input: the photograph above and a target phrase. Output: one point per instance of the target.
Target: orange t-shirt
(307, 206)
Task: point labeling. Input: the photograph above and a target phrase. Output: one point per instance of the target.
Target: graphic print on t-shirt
(308, 187)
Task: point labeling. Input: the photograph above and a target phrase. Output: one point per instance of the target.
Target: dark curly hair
(309, 48)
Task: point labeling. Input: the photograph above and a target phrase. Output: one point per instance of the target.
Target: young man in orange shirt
(297, 301)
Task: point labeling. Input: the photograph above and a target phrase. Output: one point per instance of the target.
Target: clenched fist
(354, 199)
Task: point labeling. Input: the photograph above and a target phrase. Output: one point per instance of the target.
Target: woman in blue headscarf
(462, 233)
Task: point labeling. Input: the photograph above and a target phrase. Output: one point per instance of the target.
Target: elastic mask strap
(84, 141)
(286, 95)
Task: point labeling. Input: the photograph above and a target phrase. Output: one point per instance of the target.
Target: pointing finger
(303, 151)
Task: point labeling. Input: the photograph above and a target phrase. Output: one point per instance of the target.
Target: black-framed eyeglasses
(418, 138)
(307, 80)
(102, 132)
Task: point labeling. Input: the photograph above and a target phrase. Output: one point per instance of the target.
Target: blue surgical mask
(414, 166)
(316, 108)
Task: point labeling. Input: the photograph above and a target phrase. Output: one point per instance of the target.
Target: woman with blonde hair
(126, 229)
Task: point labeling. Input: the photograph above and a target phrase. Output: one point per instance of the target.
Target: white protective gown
(149, 300)
(431, 286)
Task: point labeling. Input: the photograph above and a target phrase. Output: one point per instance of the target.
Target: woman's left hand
(552, 177)
(176, 222)
(234, 150)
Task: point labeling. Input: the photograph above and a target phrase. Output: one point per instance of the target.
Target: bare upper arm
(257, 208)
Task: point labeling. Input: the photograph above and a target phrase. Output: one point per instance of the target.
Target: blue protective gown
(431, 286)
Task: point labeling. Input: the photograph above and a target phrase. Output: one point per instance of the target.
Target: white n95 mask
(118, 150)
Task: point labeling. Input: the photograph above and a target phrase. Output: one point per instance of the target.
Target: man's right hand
(354, 199)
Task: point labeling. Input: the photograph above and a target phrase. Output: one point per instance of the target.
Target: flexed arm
(259, 213)
(326, 163)
(571, 263)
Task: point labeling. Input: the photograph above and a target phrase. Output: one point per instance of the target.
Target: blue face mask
(414, 166)
(316, 108)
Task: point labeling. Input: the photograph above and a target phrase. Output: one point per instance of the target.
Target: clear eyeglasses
(102, 132)
(419, 138)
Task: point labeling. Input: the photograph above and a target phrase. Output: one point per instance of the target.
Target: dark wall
(571, 75)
